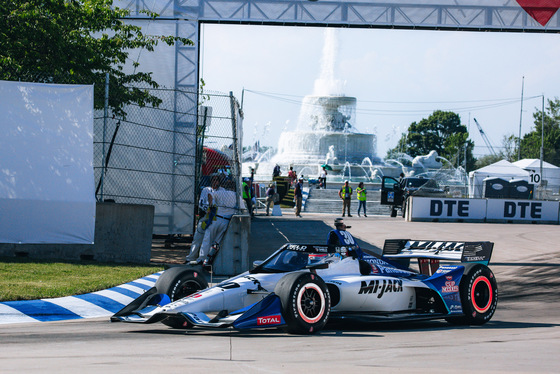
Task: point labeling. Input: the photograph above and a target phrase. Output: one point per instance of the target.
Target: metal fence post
(236, 147)
(105, 115)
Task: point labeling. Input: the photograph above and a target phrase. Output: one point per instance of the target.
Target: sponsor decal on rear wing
(318, 248)
(442, 250)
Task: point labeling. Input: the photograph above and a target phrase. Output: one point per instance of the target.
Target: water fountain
(329, 139)
(326, 134)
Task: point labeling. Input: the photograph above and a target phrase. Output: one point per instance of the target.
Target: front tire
(179, 282)
(305, 301)
(479, 295)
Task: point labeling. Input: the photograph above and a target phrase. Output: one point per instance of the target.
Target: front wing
(264, 314)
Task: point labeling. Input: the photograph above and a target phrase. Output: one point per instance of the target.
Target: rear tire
(179, 282)
(306, 302)
(479, 296)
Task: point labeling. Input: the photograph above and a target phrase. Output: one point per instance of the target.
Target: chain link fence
(163, 155)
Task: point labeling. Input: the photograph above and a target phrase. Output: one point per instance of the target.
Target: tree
(508, 152)
(76, 42)
(487, 160)
(442, 132)
(531, 142)
(509, 148)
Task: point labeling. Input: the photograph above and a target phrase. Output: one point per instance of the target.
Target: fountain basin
(320, 147)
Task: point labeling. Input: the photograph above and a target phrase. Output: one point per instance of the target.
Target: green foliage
(26, 279)
(531, 142)
(509, 148)
(508, 152)
(442, 132)
(487, 160)
(76, 42)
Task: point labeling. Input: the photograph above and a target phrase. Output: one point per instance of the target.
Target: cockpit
(297, 257)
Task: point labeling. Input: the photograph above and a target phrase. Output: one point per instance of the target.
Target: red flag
(541, 10)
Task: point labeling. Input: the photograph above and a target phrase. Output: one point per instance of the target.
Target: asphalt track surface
(522, 337)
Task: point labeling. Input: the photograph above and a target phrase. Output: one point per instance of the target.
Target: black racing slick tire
(178, 282)
(306, 302)
(479, 295)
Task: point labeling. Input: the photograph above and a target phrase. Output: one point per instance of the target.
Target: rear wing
(440, 250)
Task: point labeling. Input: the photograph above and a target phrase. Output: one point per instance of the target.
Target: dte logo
(449, 208)
(511, 208)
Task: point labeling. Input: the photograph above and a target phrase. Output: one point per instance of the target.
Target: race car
(301, 286)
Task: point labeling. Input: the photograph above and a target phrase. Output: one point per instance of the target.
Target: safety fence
(164, 155)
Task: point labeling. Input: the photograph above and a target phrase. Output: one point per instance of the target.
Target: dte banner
(522, 210)
(480, 210)
(448, 209)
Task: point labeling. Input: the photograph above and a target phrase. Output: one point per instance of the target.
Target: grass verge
(28, 279)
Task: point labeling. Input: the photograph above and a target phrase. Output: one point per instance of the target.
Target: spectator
(293, 176)
(361, 192)
(206, 202)
(298, 196)
(345, 194)
(270, 198)
(247, 196)
(276, 172)
(225, 201)
(401, 181)
(323, 178)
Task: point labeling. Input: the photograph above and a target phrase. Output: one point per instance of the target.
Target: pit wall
(123, 233)
(483, 210)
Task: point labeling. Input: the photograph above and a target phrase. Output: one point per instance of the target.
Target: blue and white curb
(92, 305)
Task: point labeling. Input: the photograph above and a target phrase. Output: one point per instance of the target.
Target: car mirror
(257, 263)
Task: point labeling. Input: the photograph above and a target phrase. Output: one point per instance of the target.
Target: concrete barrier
(233, 257)
(123, 233)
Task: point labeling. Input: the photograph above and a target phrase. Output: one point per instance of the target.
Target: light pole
(520, 121)
(542, 139)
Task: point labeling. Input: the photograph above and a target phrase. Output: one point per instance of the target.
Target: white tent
(550, 173)
(502, 169)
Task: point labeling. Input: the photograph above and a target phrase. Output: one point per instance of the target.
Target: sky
(397, 76)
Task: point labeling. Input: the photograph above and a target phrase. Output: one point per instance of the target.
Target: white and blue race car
(300, 287)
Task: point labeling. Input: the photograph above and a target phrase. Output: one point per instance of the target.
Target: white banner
(448, 209)
(492, 210)
(46, 163)
(522, 210)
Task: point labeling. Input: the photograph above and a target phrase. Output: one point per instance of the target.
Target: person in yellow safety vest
(361, 192)
(345, 194)
(247, 197)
